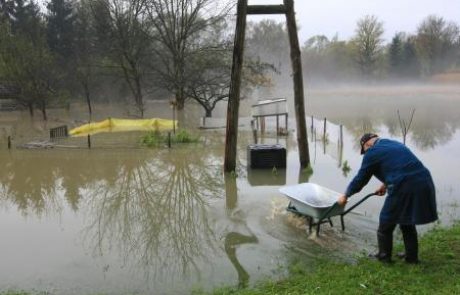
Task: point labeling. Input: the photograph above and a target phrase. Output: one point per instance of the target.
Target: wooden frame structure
(270, 108)
(243, 10)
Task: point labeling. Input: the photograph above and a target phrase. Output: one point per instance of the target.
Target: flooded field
(120, 218)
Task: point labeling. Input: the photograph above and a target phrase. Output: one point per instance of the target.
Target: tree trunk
(180, 99)
(31, 109)
(88, 100)
(139, 97)
(43, 109)
(208, 113)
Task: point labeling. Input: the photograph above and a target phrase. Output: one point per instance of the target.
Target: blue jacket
(411, 197)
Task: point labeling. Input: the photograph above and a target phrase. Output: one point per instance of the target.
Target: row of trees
(433, 49)
(120, 49)
(182, 49)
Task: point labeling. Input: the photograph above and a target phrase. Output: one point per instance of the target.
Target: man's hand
(342, 200)
(382, 190)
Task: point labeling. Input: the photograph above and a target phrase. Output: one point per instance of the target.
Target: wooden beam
(299, 105)
(235, 84)
(266, 9)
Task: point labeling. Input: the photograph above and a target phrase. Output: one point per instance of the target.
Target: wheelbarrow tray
(312, 200)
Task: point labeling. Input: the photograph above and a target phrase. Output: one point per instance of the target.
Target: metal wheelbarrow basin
(317, 203)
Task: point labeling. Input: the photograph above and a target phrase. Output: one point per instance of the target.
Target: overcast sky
(328, 17)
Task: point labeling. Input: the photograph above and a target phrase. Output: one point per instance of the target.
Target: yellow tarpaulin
(118, 125)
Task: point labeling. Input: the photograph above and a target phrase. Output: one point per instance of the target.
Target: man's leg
(385, 241)
(409, 233)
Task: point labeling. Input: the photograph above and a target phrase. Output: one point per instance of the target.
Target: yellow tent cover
(119, 125)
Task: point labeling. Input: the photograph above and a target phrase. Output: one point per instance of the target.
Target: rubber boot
(410, 243)
(385, 242)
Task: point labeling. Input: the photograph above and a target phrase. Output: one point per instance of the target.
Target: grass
(156, 138)
(438, 273)
(346, 168)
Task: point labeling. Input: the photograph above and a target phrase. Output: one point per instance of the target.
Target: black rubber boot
(410, 243)
(385, 242)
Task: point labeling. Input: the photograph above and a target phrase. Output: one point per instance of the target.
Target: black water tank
(266, 156)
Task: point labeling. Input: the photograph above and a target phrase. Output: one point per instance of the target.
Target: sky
(330, 17)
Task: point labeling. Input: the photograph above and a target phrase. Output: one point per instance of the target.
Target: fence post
(311, 124)
(324, 131)
(89, 141)
(341, 136)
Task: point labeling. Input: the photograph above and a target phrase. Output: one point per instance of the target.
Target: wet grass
(156, 139)
(438, 273)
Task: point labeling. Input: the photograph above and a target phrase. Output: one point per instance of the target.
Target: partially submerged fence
(59, 132)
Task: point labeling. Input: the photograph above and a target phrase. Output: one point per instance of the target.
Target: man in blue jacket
(411, 198)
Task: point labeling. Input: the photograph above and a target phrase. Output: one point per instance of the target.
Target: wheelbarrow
(317, 203)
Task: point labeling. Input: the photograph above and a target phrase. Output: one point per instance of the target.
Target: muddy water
(119, 218)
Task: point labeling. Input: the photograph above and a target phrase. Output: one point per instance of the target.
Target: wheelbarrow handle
(358, 203)
(348, 210)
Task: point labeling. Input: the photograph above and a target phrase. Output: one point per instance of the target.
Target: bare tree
(437, 44)
(405, 126)
(122, 23)
(368, 41)
(177, 25)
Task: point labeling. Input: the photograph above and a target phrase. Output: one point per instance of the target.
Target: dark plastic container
(266, 156)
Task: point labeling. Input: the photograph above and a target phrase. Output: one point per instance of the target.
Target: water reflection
(156, 212)
(434, 123)
(240, 233)
(30, 188)
(170, 214)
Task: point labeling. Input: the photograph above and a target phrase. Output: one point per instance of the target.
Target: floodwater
(120, 219)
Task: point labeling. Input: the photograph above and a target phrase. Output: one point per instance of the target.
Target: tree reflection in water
(156, 211)
(29, 182)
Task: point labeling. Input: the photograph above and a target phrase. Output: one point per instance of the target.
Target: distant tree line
(434, 48)
(134, 50)
(117, 50)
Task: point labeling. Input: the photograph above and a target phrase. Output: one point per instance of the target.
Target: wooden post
(89, 141)
(311, 124)
(254, 130)
(304, 156)
(277, 125)
(9, 142)
(169, 139)
(341, 136)
(235, 83)
(174, 118)
(324, 130)
(286, 123)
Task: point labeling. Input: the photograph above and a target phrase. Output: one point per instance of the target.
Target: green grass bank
(438, 273)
